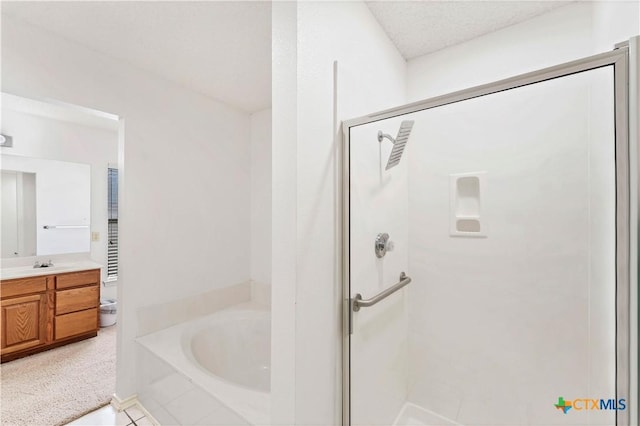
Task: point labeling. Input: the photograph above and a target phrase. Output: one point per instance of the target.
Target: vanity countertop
(58, 268)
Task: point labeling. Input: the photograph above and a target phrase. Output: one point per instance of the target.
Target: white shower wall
(379, 343)
(571, 32)
(500, 327)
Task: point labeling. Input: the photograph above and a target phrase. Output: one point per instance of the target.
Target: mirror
(18, 213)
(46, 207)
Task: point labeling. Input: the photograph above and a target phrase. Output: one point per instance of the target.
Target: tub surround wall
(261, 293)
(153, 318)
(170, 205)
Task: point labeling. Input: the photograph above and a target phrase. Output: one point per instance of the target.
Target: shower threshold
(414, 415)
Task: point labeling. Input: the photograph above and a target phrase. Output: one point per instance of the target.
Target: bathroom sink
(28, 271)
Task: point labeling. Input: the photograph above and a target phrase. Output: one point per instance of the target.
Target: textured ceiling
(421, 27)
(221, 49)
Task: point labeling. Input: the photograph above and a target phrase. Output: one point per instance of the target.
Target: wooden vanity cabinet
(23, 322)
(77, 304)
(39, 313)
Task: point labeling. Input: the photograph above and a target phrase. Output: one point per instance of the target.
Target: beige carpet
(57, 386)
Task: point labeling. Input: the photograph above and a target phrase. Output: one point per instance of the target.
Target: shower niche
(466, 216)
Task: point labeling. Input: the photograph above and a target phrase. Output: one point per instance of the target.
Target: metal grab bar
(358, 302)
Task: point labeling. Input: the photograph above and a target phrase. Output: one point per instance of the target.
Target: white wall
(184, 160)
(564, 34)
(261, 197)
(307, 38)
(39, 136)
(614, 22)
(284, 21)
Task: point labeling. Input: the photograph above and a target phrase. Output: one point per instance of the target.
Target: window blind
(112, 249)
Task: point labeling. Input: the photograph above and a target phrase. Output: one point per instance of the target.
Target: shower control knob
(383, 245)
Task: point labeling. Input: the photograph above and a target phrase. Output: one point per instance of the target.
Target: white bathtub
(227, 354)
(235, 346)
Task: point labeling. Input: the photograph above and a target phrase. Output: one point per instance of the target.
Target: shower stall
(486, 271)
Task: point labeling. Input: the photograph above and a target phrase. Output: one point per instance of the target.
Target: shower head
(399, 143)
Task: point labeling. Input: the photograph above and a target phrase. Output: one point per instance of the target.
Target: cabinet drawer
(22, 286)
(76, 299)
(76, 279)
(76, 323)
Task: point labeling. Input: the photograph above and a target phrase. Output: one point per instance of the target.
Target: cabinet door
(23, 322)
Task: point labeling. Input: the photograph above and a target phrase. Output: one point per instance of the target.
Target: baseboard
(123, 404)
(148, 415)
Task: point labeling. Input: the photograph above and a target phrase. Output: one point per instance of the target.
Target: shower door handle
(357, 302)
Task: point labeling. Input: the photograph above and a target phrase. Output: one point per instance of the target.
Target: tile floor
(108, 416)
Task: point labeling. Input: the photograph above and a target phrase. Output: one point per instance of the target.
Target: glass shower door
(502, 211)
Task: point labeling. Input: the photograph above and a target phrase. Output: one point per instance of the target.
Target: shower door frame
(619, 59)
